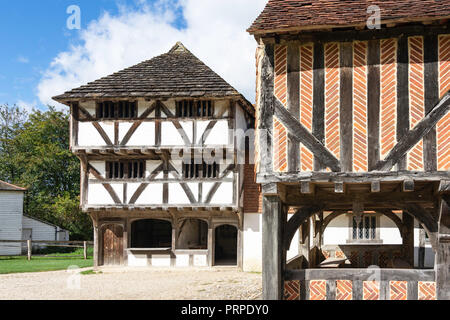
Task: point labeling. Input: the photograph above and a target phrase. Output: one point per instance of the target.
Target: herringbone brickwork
(291, 290)
(417, 97)
(344, 290)
(443, 126)
(279, 131)
(427, 290)
(317, 290)
(279, 146)
(360, 139)
(398, 290)
(306, 101)
(332, 99)
(388, 79)
(371, 290)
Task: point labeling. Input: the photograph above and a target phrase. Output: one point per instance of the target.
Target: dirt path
(133, 284)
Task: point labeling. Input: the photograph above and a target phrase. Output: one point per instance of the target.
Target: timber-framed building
(162, 151)
(353, 120)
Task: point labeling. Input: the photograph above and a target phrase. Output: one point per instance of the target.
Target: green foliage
(34, 153)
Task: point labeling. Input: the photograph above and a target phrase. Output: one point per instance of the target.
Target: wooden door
(113, 245)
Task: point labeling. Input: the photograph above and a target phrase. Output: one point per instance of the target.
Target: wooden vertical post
(272, 267)
(293, 101)
(442, 265)
(421, 255)
(85, 250)
(96, 241)
(29, 249)
(408, 238)
(265, 124)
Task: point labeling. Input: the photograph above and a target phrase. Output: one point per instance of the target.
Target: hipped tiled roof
(4, 186)
(177, 73)
(287, 15)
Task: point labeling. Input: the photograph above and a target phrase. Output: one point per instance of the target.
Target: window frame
(194, 109)
(123, 169)
(374, 233)
(117, 110)
(195, 171)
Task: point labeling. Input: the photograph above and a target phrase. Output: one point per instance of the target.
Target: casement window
(196, 171)
(366, 229)
(116, 110)
(194, 108)
(130, 169)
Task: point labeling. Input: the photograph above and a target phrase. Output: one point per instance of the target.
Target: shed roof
(5, 186)
(290, 15)
(177, 73)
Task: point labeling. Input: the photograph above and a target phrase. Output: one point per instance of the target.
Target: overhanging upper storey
(171, 101)
(347, 98)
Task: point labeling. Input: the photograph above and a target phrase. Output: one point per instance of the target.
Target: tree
(35, 154)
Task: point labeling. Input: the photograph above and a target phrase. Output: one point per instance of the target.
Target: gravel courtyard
(133, 284)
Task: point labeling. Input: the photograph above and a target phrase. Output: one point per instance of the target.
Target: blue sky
(34, 37)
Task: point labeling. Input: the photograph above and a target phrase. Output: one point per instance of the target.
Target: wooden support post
(29, 249)
(272, 233)
(210, 245)
(85, 250)
(421, 255)
(96, 242)
(442, 264)
(408, 238)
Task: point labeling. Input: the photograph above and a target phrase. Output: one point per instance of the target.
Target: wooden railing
(43, 243)
(360, 284)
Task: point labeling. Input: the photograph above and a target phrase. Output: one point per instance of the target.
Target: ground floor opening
(226, 246)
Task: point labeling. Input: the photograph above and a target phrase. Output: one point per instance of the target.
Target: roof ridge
(12, 186)
(179, 48)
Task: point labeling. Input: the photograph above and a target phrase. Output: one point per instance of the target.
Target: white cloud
(23, 59)
(215, 32)
(26, 105)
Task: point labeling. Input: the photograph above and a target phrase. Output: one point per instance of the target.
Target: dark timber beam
(442, 265)
(299, 132)
(294, 223)
(293, 102)
(408, 141)
(267, 98)
(273, 221)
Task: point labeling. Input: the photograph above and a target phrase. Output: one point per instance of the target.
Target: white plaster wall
(143, 136)
(219, 105)
(252, 243)
(337, 231)
(143, 106)
(389, 232)
(100, 166)
(223, 195)
(137, 260)
(88, 136)
(170, 135)
(162, 260)
(98, 195)
(177, 194)
(152, 195)
(200, 260)
(89, 106)
(219, 134)
(182, 260)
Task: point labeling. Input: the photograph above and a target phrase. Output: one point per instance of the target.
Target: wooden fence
(65, 244)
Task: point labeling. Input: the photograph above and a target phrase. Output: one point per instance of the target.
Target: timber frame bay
(302, 78)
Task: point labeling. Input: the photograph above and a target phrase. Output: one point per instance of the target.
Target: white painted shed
(11, 209)
(14, 225)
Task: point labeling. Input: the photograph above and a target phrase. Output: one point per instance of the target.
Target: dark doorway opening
(226, 246)
(151, 234)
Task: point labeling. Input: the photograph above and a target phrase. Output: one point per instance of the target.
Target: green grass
(53, 262)
(89, 272)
